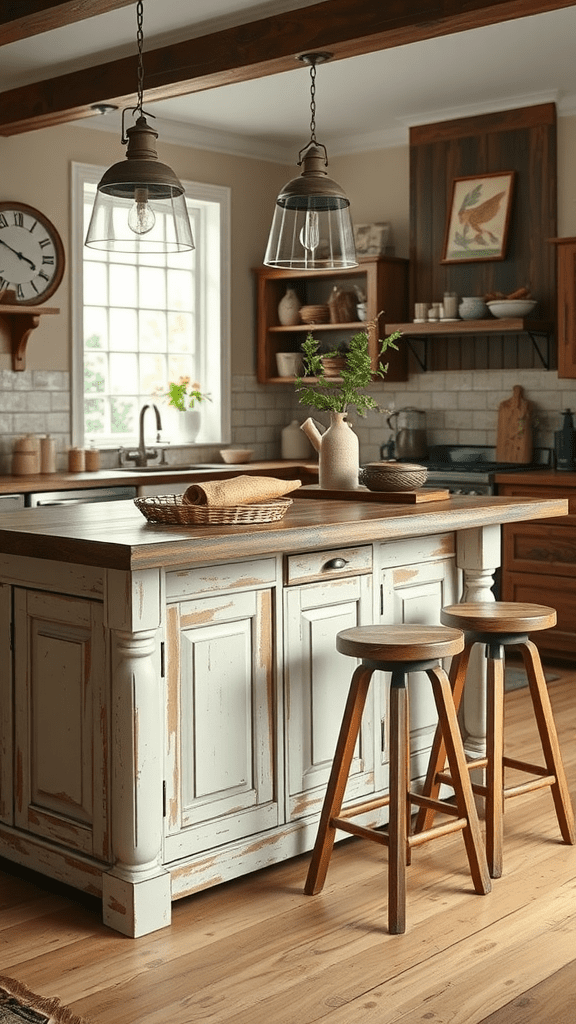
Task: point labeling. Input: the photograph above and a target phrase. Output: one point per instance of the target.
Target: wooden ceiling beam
(268, 46)
(24, 18)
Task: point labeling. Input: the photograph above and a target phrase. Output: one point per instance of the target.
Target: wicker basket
(392, 476)
(170, 508)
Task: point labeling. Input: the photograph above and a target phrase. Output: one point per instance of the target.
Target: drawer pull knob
(335, 563)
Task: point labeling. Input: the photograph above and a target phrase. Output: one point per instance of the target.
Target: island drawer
(211, 578)
(333, 564)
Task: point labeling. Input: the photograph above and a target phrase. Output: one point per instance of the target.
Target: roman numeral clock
(32, 264)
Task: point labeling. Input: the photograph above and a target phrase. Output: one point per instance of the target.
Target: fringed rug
(20, 1006)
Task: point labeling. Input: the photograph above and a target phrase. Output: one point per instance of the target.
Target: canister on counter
(92, 459)
(26, 456)
(76, 460)
(47, 454)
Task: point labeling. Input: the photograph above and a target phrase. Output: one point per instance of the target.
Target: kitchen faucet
(141, 454)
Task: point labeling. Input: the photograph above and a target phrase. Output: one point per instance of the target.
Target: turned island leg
(136, 893)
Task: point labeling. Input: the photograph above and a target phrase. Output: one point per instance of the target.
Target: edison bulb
(310, 233)
(141, 218)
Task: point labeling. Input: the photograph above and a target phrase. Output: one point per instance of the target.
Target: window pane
(152, 331)
(180, 290)
(152, 373)
(123, 415)
(152, 288)
(124, 374)
(123, 330)
(181, 332)
(123, 285)
(95, 283)
(95, 416)
(95, 372)
(95, 327)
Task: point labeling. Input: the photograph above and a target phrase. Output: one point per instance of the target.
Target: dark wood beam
(20, 19)
(345, 27)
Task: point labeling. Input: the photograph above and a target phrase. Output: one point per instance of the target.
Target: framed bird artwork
(478, 218)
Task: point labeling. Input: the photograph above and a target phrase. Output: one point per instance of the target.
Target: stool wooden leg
(398, 788)
(549, 739)
(338, 778)
(448, 723)
(494, 754)
(437, 762)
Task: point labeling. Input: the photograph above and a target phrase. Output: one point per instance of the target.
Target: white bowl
(505, 309)
(234, 456)
(290, 364)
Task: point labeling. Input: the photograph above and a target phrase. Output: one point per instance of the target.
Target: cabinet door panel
(556, 592)
(221, 738)
(6, 709)
(60, 719)
(317, 679)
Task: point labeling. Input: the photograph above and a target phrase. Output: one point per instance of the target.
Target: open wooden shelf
(16, 325)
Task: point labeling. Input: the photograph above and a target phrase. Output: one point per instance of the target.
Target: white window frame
(208, 296)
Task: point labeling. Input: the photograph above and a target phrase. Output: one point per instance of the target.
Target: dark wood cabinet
(566, 308)
(382, 279)
(539, 558)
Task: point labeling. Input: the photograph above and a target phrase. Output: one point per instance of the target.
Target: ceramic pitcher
(339, 452)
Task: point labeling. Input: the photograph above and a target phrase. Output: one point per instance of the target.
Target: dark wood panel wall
(522, 140)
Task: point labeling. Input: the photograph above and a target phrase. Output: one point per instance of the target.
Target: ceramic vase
(289, 309)
(180, 427)
(339, 456)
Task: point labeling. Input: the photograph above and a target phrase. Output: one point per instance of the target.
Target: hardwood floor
(257, 950)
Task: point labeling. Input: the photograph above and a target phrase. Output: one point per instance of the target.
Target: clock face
(31, 254)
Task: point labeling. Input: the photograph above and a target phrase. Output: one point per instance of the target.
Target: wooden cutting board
(514, 435)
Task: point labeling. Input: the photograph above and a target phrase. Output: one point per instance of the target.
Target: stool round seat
(403, 643)
(499, 617)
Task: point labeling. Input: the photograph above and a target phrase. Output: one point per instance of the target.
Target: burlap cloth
(239, 490)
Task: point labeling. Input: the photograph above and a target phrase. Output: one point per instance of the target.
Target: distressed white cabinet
(317, 677)
(417, 577)
(61, 720)
(222, 711)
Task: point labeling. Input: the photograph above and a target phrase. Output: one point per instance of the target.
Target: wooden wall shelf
(16, 325)
(443, 328)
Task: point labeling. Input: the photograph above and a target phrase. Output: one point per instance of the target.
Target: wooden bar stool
(498, 625)
(399, 650)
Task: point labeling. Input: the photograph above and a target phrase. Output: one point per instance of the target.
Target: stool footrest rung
(524, 766)
(439, 806)
(369, 805)
(529, 787)
(445, 829)
(360, 830)
(477, 788)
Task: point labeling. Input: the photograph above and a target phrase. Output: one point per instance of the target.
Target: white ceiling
(362, 102)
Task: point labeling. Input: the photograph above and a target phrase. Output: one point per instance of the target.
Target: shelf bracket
(545, 360)
(17, 324)
(421, 358)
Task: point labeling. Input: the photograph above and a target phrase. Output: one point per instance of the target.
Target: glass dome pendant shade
(312, 228)
(140, 204)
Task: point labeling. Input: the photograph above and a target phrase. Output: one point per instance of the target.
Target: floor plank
(258, 950)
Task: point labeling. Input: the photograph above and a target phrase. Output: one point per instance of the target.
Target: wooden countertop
(115, 534)
(118, 477)
(539, 478)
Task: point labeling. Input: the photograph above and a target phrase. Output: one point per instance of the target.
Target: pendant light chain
(140, 41)
(313, 102)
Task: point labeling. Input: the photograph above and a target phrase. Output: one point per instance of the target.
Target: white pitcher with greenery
(338, 448)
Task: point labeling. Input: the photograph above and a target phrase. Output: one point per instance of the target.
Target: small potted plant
(183, 415)
(338, 447)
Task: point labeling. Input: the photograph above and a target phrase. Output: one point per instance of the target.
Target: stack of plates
(315, 314)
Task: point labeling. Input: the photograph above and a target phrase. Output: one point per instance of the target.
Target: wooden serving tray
(416, 497)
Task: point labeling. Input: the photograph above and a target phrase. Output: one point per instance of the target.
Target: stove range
(471, 469)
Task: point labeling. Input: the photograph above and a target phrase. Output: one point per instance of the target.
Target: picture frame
(372, 239)
(479, 218)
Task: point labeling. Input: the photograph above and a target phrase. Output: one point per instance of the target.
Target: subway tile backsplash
(461, 408)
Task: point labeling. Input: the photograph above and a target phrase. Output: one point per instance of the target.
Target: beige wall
(35, 169)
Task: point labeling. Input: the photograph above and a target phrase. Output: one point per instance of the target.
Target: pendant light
(140, 205)
(312, 228)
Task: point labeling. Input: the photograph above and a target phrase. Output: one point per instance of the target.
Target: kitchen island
(171, 695)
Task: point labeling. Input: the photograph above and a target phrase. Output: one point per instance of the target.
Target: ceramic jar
(289, 309)
(339, 459)
(473, 308)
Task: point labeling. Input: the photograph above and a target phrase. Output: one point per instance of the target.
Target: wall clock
(31, 254)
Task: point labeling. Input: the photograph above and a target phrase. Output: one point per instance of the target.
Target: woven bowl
(235, 456)
(392, 476)
(314, 314)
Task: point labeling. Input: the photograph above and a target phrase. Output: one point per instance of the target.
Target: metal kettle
(409, 433)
